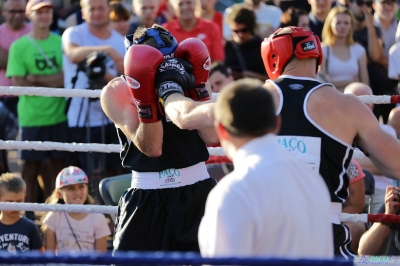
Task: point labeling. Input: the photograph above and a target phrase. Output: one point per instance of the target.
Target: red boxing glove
(196, 53)
(140, 65)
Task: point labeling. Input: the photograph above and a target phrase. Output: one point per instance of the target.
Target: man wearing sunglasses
(242, 51)
(12, 29)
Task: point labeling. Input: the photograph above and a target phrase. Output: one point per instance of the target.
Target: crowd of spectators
(361, 46)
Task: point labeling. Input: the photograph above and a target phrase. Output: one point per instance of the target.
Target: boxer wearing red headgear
(320, 125)
(277, 50)
(170, 182)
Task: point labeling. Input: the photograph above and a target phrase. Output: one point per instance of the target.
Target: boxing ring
(152, 258)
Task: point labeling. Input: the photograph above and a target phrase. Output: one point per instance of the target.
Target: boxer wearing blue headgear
(157, 37)
(192, 49)
(170, 183)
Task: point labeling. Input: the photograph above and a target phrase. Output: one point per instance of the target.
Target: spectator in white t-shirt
(86, 119)
(344, 60)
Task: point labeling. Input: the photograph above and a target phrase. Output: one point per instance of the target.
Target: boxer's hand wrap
(140, 64)
(174, 75)
(196, 52)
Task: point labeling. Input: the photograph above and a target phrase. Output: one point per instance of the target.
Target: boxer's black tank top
(180, 149)
(301, 135)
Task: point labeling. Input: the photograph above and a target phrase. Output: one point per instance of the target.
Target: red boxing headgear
(279, 47)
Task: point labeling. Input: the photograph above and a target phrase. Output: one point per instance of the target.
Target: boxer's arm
(209, 136)
(383, 149)
(394, 120)
(188, 114)
(118, 105)
(367, 164)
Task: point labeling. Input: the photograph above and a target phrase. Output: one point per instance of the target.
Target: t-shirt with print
(8, 37)
(25, 58)
(86, 230)
(80, 35)
(21, 236)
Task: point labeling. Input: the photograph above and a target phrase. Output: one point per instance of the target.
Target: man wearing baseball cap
(34, 5)
(35, 60)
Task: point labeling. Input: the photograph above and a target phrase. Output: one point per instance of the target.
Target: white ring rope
(58, 207)
(51, 92)
(216, 151)
(57, 92)
(42, 207)
(354, 218)
(96, 147)
(376, 99)
(59, 146)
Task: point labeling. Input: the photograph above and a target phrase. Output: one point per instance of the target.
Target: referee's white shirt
(271, 205)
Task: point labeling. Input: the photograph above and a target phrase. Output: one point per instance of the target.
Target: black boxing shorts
(161, 219)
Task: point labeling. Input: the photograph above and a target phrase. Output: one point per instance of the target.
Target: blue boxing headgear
(166, 49)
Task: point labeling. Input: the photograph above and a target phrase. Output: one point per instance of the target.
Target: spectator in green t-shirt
(36, 60)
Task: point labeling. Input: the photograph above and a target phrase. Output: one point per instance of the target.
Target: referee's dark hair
(246, 109)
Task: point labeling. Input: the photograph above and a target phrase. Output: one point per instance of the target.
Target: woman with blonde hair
(344, 60)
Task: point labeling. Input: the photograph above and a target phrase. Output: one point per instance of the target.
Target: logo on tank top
(306, 149)
(307, 46)
(296, 86)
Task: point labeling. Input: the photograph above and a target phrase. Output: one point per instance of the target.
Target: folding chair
(369, 182)
(218, 171)
(111, 188)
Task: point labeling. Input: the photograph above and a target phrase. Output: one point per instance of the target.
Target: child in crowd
(74, 231)
(17, 234)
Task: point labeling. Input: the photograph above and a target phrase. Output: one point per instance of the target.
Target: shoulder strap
(42, 53)
(73, 233)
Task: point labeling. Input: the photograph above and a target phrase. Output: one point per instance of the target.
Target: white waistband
(336, 210)
(170, 178)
